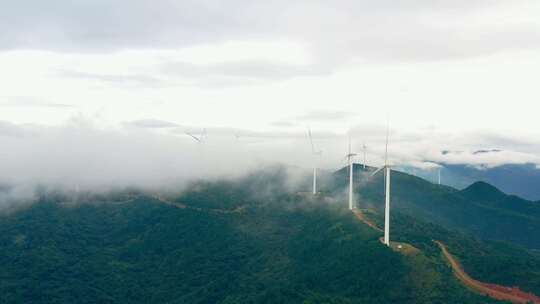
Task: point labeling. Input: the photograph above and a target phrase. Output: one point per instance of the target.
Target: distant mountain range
(518, 179)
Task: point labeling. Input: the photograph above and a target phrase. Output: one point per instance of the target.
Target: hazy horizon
(104, 92)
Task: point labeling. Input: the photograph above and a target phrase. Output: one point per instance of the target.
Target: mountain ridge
(515, 179)
(481, 209)
(284, 246)
(290, 250)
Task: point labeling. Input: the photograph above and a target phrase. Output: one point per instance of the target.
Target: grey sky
(381, 30)
(447, 75)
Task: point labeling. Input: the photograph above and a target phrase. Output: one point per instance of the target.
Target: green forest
(249, 240)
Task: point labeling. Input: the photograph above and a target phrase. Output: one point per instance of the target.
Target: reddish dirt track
(359, 215)
(512, 294)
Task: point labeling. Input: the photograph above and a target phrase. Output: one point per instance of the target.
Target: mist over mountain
(88, 154)
(198, 152)
(255, 239)
(262, 238)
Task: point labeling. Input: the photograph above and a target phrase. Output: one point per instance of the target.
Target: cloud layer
(336, 32)
(255, 75)
(153, 153)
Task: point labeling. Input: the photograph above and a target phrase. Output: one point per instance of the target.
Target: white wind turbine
(200, 138)
(364, 147)
(315, 153)
(350, 157)
(387, 172)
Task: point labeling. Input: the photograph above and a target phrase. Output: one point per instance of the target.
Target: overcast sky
(458, 75)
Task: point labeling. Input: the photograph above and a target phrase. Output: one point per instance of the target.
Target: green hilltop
(480, 209)
(255, 239)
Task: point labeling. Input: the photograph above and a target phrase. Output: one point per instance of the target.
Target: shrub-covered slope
(225, 243)
(480, 209)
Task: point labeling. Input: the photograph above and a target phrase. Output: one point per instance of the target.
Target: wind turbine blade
(311, 141)
(193, 136)
(386, 148)
(378, 170)
(349, 143)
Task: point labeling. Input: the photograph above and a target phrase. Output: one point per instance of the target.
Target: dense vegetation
(481, 209)
(488, 261)
(231, 244)
(478, 213)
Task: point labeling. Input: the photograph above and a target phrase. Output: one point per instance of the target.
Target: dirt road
(359, 215)
(512, 294)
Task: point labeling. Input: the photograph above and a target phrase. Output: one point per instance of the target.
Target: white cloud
(80, 153)
(338, 32)
(152, 124)
(244, 71)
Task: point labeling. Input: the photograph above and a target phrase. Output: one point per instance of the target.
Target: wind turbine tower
(387, 208)
(387, 173)
(315, 153)
(440, 175)
(350, 157)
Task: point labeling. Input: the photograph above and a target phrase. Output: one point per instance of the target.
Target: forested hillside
(481, 209)
(220, 242)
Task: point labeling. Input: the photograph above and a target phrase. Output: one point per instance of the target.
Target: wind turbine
(316, 153)
(364, 147)
(350, 157)
(387, 173)
(440, 168)
(199, 138)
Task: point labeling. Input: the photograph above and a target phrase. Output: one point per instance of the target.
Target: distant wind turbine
(387, 172)
(440, 168)
(316, 153)
(364, 147)
(200, 138)
(350, 157)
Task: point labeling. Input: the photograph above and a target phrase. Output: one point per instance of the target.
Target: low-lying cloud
(154, 154)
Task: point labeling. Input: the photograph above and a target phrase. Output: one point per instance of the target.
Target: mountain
(256, 239)
(480, 209)
(242, 241)
(517, 179)
(483, 191)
